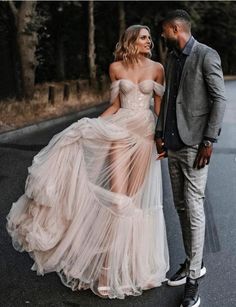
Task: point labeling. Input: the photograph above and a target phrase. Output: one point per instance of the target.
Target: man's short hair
(177, 14)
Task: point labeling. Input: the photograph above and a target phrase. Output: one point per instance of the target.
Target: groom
(189, 124)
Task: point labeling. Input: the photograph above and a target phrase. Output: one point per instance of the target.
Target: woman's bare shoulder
(158, 72)
(116, 66)
(114, 69)
(157, 65)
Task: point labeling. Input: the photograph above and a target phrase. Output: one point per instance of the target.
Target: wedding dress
(92, 208)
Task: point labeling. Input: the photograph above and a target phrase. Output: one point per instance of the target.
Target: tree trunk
(60, 57)
(91, 42)
(8, 81)
(27, 41)
(122, 23)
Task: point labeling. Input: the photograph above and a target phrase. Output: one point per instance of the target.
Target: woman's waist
(136, 113)
(135, 107)
(135, 118)
(136, 104)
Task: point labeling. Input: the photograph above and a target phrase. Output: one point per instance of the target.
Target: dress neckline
(136, 84)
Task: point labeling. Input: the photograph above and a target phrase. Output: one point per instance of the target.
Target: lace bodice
(135, 96)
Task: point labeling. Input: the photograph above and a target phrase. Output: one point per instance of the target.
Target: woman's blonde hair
(125, 49)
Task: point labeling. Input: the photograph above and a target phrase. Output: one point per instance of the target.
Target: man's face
(169, 33)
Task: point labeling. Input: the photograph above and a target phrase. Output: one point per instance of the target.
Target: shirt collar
(188, 47)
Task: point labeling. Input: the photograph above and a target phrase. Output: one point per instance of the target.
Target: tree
(26, 29)
(122, 23)
(91, 42)
(60, 54)
(8, 55)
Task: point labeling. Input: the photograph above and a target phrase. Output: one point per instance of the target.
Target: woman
(92, 208)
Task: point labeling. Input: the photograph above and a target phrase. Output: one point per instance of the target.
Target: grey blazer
(201, 100)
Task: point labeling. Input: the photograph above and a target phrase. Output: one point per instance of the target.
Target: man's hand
(162, 153)
(203, 156)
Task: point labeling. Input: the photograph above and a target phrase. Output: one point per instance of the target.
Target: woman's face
(143, 42)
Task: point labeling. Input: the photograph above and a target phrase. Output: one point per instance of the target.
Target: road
(19, 286)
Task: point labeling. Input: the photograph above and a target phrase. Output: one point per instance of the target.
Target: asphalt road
(19, 286)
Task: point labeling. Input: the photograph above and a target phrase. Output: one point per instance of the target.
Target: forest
(45, 41)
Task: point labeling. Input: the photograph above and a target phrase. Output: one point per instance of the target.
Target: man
(189, 123)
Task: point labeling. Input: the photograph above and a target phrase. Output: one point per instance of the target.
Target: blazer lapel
(186, 65)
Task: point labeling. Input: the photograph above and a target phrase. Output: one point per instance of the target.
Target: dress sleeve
(158, 89)
(114, 90)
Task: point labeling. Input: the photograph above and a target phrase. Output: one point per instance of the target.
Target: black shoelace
(190, 290)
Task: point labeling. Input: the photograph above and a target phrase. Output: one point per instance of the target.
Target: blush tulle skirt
(92, 208)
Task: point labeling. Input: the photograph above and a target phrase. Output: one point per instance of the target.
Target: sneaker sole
(183, 280)
(197, 304)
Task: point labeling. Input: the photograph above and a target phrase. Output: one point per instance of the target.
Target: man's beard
(172, 43)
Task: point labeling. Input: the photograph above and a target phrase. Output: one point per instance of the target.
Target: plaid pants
(188, 185)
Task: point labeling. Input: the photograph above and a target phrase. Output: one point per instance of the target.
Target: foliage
(62, 28)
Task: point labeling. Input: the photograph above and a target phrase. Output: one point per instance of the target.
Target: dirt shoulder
(67, 98)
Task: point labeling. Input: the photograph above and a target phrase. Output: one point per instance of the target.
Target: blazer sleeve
(213, 76)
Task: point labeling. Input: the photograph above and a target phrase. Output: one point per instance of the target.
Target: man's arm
(213, 76)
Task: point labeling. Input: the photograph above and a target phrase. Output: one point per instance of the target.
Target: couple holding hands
(92, 208)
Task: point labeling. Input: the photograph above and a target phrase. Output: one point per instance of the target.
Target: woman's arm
(157, 104)
(112, 109)
(116, 102)
(160, 78)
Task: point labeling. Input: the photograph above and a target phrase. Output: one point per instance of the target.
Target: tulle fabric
(92, 208)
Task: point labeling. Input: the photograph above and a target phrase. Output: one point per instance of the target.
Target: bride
(92, 208)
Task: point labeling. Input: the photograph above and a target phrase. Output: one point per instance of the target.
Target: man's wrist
(207, 143)
(212, 140)
(158, 134)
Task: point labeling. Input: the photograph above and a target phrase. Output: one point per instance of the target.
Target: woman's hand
(161, 150)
